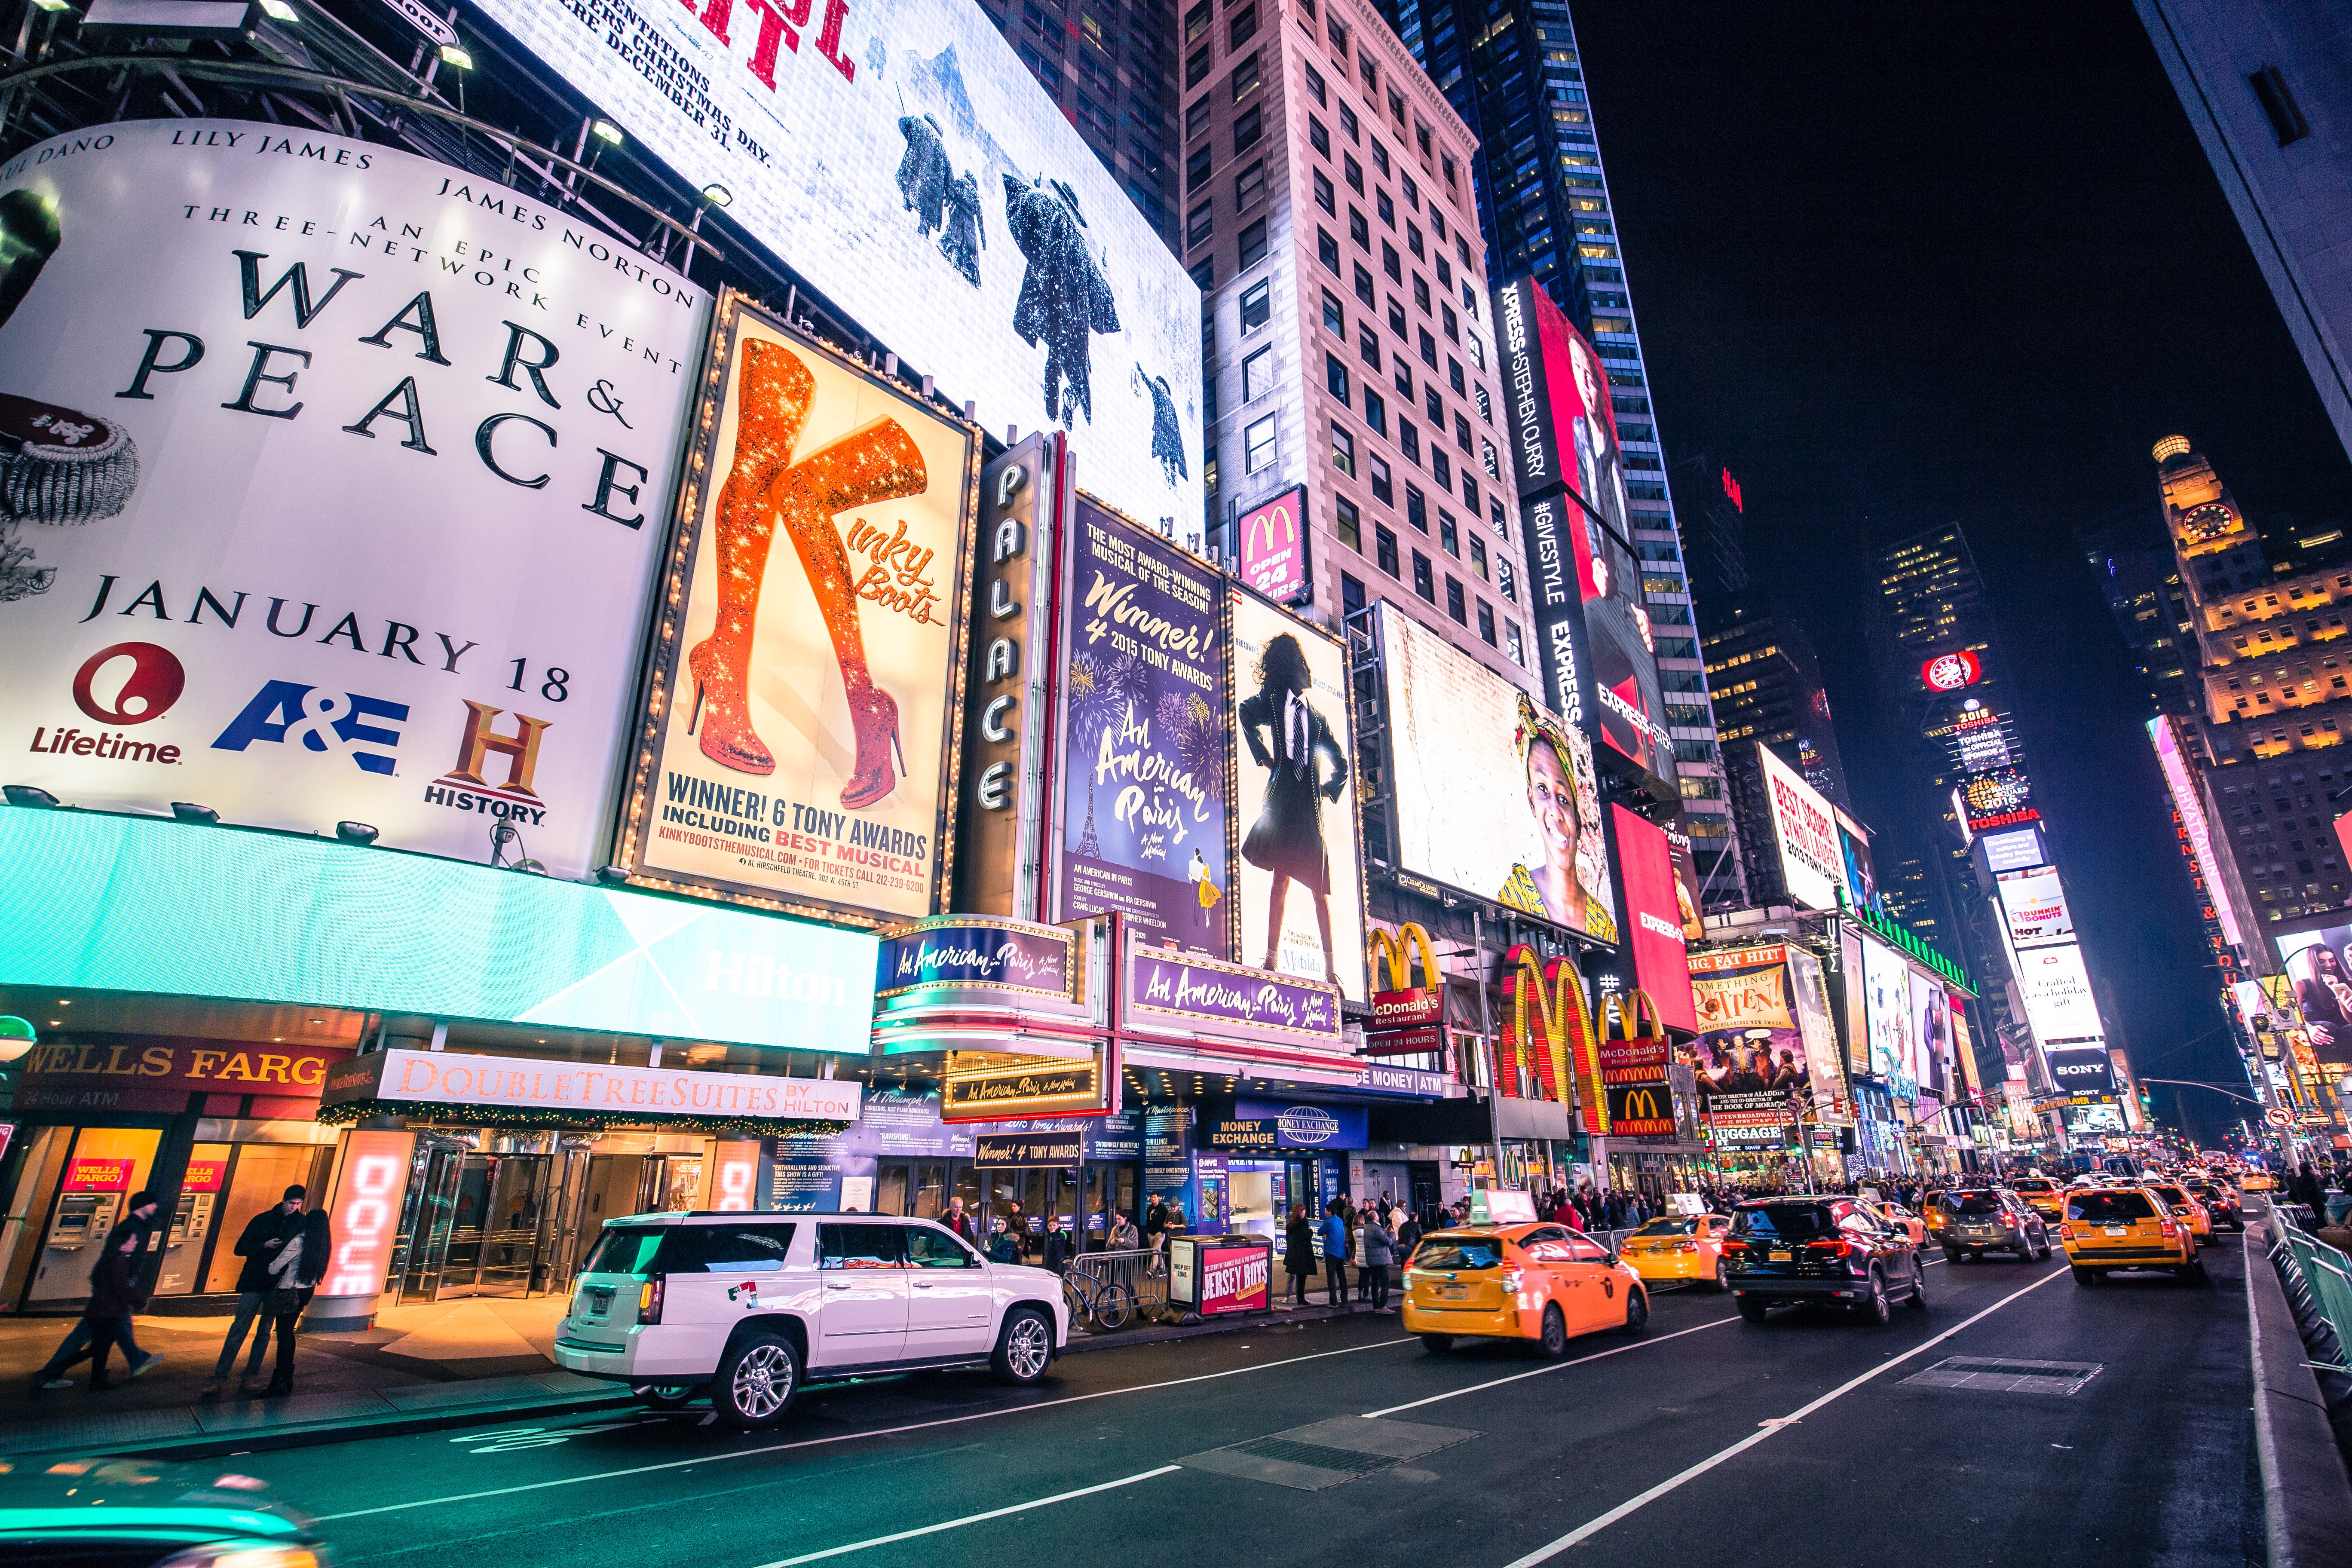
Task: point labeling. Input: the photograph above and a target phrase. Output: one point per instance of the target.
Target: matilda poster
(810, 662)
(1300, 894)
(1144, 731)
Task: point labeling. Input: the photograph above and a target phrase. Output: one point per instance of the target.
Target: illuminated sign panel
(2191, 804)
(2036, 906)
(1950, 671)
(1811, 862)
(1274, 546)
(2057, 992)
(2014, 851)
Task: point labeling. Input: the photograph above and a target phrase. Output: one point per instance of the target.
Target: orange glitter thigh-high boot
(878, 463)
(774, 394)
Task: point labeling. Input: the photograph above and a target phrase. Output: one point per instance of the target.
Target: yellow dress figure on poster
(1570, 886)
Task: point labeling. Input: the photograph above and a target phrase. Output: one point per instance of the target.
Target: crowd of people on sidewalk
(285, 1250)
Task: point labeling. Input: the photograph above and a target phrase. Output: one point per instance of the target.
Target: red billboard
(1653, 920)
(1273, 545)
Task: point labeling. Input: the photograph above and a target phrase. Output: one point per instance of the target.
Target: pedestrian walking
(265, 1235)
(295, 1274)
(1379, 1252)
(1299, 1253)
(105, 1317)
(1335, 1252)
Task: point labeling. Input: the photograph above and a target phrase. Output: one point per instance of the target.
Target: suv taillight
(2065, 1233)
(649, 1300)
(2171, 1232)
(1833, 1249)
(1735, 1244)
(1512, 1280)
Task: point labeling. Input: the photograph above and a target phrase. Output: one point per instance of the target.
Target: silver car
(1991, 1219)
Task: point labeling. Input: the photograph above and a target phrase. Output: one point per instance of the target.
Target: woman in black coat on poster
(1288, 837)
(1299, 1253)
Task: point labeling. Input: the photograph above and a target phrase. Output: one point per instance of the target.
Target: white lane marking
(974, 1518)
(848, 1437)
(1540, 1370)
(1587, 1530)
(2265, 1440)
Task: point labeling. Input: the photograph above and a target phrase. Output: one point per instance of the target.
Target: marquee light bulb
(607, 132)
(456, 55)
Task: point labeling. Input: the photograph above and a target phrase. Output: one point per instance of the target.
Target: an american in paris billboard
(334, 485)
(904, 161)
(1812, 863)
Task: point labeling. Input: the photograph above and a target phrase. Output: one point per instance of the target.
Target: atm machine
(184, 1249)
(82, 1221)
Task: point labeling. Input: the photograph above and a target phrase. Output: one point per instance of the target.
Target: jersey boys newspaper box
(1216, 1275)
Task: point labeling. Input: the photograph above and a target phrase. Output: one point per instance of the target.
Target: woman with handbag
(1288, 837)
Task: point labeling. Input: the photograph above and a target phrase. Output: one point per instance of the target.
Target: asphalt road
(1709, 1441)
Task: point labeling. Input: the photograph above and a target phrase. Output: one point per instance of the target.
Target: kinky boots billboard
(332, 488)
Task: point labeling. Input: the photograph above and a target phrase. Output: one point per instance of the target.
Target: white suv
(751, 1306)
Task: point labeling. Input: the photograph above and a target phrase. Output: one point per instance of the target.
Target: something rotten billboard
(797, 743)
(907, 165)
(1592, 631)
(332, 487)
(1141, 790)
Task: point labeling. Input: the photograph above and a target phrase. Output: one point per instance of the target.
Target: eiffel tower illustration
(1087, 844)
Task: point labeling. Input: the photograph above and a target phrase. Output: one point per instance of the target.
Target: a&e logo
(321, 721)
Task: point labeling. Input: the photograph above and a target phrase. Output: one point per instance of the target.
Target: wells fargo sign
(145, 1072)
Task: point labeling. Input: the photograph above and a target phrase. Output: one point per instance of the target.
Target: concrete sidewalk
(420, 1366)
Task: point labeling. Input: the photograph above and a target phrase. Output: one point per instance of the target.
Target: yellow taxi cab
(1679, 1247)
(2042, 1194)
(1933, 1215)
(1903, 1219)
(1542, 1282)
(2111, 1227)
(2181, 1202)
(2257, 1181)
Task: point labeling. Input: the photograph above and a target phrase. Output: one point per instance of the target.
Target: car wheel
(1722, 1278)
(665, 1396)
(1437, 1344)
(2085, 1277)
(1919, 1289)
(2024, 1252)
(1753, 1309)
(1952, 1255)
(1877, 1312)
(2198, 1274)
(1553, 1340)
(1025, 1347)
(1637, 1313)
(757, 1380)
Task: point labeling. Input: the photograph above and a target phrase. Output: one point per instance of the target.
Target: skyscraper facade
(1110, 66)
(2267, 85)
(1512, 72)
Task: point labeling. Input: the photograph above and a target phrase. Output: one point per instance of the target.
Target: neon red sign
(367, 1211)
(1731, 488)
(1950, 671)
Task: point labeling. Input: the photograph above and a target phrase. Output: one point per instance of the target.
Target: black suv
(1830, 1249)
(2218, 1198)
(1983, 1219)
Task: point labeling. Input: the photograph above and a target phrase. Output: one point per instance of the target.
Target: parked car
(106, 1512)
(1827, 1249)
(1987, 1219)
(752, 1307)
(1542, 1282)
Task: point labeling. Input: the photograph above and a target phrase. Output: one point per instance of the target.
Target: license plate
(1783, 1257)
(599, 1301)
(2118, 1230)
(1454, 1292)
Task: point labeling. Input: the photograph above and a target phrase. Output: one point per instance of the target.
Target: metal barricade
(1109, 1290)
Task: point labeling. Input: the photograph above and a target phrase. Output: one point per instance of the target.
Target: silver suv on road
(751, 1306)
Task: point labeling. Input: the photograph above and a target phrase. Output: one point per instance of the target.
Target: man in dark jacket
(264, 1235)
(1056, 1255)
(314, 1244)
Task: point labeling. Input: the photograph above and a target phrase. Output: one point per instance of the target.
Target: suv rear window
(2035, 1185)
(1972, 1202)
(1459, 1252)
(624, 1249)
(1785, 1219)
(1671, 1226)
(2171, 1195)
(2109, 1208)
(739, 1248)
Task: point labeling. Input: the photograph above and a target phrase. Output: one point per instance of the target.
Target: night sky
(1898, 266)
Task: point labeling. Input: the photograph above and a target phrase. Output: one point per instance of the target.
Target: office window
(1434, 406)
(1199, 224)
(1196, 119)
(1343, 450)
(1449, 537)
(1409, 441)
(1384, 490)
(1351, 595)
(1204, 275)
(1420, 139)
(1208, 398)
(1315, 84)
(1424, 580)
(1517, 650)
(1429, 354)
(1248, 126)
(1252, 243)
(1335, 377)
(1412, 191)
(1257, 375)
(1376, 412)
(1353, 172)
(1196, 169)
(1486, 622)
(1495, 519)
(1325, 196)
(1338, 31)
(1327, 250)
(1487, 453)
(1485, 404)
(1352, 528)
(1507, 577)
(1470, 492)
(1244, 78)
(1403, 378)
(1257, 443)
(1196, 65)
(1347, 123)
(1444, 269)
(1358, 230)
(1363, 284)
(1257, 304)
(1385, 543)
(1386, 206)
(1391, 263)
(1478, 557)
(2285, 115)
(1396, 317)
(1449, 323)
(1457, 605)
(1454, 375)
(1335, 319)
(1462, 432)
(1368, 347)
(1242, 27)
(1318, 137)
(1440, 467)
(1196, 23)
(1413, 243)
(1416, 509)
(1249, 187)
